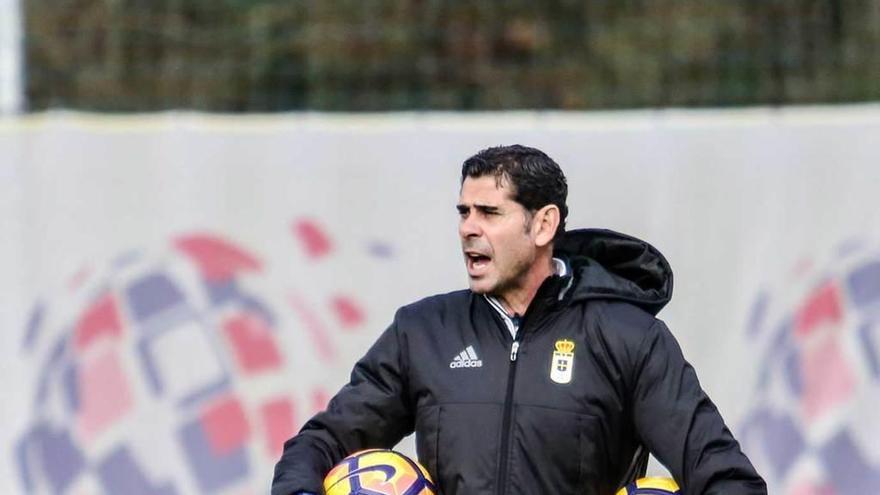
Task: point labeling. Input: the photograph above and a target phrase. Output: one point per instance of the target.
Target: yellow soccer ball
(650, 486)
(378, 472)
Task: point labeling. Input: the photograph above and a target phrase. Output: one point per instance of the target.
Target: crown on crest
(565, 346)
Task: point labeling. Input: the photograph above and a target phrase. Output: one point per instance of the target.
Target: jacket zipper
(507, 417)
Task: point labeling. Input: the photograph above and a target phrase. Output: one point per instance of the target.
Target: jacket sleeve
(682, 427)
(371, 411)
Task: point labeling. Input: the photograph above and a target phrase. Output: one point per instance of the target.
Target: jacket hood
(610, 265)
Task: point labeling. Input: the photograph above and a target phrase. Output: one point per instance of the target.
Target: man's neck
(517, 300)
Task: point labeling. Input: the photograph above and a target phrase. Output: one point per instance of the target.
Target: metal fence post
(11, 57)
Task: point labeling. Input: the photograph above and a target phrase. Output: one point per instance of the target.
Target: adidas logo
(466, 359)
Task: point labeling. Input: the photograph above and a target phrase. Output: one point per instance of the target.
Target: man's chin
(480, 286)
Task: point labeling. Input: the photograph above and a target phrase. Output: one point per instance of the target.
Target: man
(551, 375)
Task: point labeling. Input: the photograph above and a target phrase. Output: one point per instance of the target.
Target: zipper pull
(513, 349)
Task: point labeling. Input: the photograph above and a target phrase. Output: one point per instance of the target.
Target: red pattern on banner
(225, 425)
(101, 319)
(821, 307)
(347, 311)
(828, 379)
(217, 259)
(253, 343)
(104, 393)
(313, 239)
(280, 424)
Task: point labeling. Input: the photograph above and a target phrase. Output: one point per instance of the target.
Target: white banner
(180, 292)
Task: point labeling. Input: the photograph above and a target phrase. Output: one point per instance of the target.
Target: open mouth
(477, 263)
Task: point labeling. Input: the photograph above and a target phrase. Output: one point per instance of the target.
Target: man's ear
(544, 225)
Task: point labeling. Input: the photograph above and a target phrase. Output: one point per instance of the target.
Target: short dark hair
(536, 179)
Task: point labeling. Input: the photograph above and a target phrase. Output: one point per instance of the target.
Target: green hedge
(374, 55)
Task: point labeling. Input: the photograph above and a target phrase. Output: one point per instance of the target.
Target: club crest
(562, 363)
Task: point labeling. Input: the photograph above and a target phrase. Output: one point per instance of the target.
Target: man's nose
(469, 227)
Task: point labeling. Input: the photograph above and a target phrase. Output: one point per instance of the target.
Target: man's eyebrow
(487, 208)
(463, 208)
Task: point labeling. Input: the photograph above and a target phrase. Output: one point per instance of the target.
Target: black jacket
(492, 421)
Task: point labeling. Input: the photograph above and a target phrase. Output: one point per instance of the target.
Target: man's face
(495, 236)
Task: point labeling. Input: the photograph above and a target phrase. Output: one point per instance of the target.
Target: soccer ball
(378, 472)
(650, 486)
